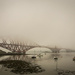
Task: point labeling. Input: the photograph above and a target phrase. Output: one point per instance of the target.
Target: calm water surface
(47, 63)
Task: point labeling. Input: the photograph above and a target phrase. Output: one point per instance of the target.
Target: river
(43, 64)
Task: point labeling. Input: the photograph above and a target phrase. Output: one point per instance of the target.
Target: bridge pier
(55, 51)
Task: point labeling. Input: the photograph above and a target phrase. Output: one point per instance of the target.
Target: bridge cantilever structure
(17, 47)
(22, 47)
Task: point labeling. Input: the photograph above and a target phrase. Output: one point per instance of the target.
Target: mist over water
(46, 64)
(46, 22)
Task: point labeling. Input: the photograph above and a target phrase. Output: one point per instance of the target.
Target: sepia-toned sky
(47, 22)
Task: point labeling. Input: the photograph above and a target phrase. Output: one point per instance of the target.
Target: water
(45, 62)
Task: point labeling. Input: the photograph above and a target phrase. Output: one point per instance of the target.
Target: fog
(46, 22)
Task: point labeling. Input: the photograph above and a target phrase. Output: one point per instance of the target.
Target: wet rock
(73, 72)
(6, 70)
(21, 67)
(67, 71)
(60, 72)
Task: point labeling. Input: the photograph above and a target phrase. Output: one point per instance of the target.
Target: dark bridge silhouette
(18, 47)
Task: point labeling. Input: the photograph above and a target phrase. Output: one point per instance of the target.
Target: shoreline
(16, 54)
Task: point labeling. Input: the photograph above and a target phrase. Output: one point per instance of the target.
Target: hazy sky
(47, 22)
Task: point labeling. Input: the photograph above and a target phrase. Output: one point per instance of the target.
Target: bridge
(54, 49)
(20, 47)
(17, 47)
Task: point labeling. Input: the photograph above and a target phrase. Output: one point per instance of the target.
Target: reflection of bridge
(18, 47)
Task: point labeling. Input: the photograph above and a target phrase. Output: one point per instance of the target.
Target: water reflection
(62, 71)
(53, 63)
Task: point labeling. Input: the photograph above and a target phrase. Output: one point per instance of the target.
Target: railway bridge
(19, 47)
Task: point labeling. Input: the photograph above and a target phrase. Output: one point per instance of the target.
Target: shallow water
(46, 61)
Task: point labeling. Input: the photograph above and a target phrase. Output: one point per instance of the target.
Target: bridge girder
(16, 46)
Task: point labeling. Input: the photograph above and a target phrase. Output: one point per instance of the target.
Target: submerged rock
(66, 72)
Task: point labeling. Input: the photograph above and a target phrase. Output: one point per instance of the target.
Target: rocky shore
(21, 67)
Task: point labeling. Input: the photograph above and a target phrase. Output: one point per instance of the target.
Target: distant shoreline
(12, 54)
(16, 54)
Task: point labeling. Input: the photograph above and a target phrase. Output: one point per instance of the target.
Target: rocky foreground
(21, 67)
(66, 72)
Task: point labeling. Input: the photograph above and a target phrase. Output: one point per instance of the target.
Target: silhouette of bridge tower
(53, 49)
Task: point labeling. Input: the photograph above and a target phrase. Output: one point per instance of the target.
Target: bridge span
(23, 47)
